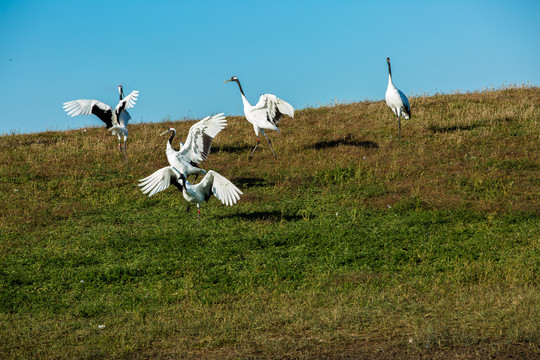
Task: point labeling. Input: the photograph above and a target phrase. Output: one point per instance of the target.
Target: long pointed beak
(226, 81)
(163, 133)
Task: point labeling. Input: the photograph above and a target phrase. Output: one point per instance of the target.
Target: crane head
(388, 60)
(234, 78)
(168, 131)
(120, 91)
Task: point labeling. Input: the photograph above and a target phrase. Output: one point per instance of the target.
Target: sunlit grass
(350, 238)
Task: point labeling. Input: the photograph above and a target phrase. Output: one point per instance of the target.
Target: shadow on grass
(251, 182)
(347, 140)
(271, 216)
(454, 128)
(234, 148)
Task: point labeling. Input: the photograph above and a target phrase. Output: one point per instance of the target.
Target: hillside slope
(350, 242)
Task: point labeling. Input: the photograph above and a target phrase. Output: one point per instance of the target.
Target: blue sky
(309, 53)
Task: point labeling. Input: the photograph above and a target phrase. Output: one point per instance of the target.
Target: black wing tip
(103, 115)
(276, 118)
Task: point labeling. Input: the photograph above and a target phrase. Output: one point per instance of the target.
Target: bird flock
(264, 115)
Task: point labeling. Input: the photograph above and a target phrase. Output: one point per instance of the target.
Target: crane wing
(199, 139)
(128, 102)
(407, 108)
(160, 180)
(87, 107)
(221, 187)
(274, 107)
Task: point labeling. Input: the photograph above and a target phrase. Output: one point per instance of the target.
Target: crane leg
(198, 215)
(399, 127)
(189, 207)
(122, 151)
(269, 142)
(255, 148)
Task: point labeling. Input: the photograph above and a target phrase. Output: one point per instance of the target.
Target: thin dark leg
(399, 127)
(122, 152)
(269, 142)
(125, 152)
(189, 207)
(255, 148)
(198, 215)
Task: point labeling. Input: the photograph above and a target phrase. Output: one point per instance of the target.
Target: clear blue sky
(309, 53)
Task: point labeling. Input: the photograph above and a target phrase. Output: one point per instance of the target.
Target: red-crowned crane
(116, 121)
(212, 184)
(396, 100)
(264, 115)
(197, 146)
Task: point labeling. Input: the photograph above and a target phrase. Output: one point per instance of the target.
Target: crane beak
(163, 133)
(226, 81)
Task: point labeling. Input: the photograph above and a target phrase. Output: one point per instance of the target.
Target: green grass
(350, 238)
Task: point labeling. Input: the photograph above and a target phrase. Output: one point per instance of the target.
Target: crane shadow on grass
(251, 182)
(346, 140)
(265, 216)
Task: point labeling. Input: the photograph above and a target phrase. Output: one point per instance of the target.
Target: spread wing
(160, 180)
(199, 139)
(274, 108)
(221, 187)
(87, 107)
(128, 102)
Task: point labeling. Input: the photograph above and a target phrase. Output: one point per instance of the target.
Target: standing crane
(396, 100)
(264, 115)
(197, 146)
(116, 121)
(212, 184)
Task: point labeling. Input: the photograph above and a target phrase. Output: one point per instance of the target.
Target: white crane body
(212, 184)
(197, 146)
(396, 100)
(265, 115)
(116, 121)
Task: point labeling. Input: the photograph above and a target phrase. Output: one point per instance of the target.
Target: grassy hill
(352, 244)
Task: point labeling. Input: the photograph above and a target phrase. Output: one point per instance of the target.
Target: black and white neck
(121, 92)
(389, 70)
(240, 86)
(173, 133)
(183, 180)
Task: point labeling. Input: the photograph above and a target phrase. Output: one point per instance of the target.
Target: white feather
(84, 107)
(129, 101)
(158, 181)
(194, 147)
(221, 187)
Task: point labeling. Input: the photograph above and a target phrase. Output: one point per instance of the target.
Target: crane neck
(240, 86)
(244, 99)
(185, 184)
(389, 73)
(169, 142)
